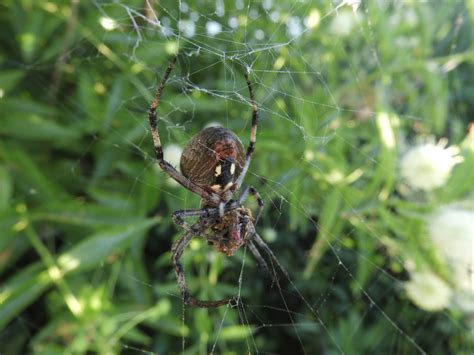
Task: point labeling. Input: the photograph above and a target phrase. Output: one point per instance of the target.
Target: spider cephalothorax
(229, 232)
(213, 166)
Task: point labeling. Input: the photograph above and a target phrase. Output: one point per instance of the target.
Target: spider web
(340, 297)
(294, 314)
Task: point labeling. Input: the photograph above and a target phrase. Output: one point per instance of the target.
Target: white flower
(267, 4)
(274, 16)
(220, 9)
(293, 27)
(464, 293)
(253, 14)
(344, 22)
(464, 300)
(166, 27)
(187, 27)
(233, 22)
(108, 23)
(194, 16)
(451, 230)
(464, 277)
(352, 3)
(428, 291)
(213, 28)
(259, 34)
(172, 154)
(429, 165)
(313, 19)
(183, 7)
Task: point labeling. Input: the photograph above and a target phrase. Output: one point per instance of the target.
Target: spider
(213, 166)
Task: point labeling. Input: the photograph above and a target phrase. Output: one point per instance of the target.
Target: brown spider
(213, 166)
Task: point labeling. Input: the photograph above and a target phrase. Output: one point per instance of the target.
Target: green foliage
(85, 213)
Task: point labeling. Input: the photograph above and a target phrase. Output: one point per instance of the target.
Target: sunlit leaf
(236, 332)
(95, 249)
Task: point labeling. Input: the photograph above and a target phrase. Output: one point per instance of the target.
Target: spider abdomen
(213, 158)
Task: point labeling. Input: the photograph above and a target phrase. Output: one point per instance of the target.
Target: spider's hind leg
(243, 196)
(269, 252)
(259, 258)
(177, 252)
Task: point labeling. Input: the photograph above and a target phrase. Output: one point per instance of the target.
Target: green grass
(85, 214)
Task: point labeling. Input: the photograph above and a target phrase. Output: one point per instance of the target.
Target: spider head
(232, 230)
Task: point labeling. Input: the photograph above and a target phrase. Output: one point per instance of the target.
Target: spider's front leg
(253, 192)
(178, 216)
(164, 165)
(253, 134)
(177, 253)
(206, 212)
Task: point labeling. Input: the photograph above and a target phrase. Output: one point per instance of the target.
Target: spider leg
(259, 257)
(178, 216)
(253, 134)
(177, 253)
(167, 167)
(152, 111)
(267, 249)
(253, 192)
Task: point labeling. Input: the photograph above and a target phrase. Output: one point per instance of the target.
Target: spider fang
(216, 188)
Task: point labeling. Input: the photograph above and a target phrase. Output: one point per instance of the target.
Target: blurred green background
(342, 93)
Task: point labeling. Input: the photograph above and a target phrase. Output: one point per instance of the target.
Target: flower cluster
(428, 291)
(428, 166)
(451, 232)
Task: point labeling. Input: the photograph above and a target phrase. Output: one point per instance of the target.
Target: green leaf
(33, 121)
(6, 188)
(20, 291)
(12, 245)
(327, 231)
(9, 78)
(95, 249)
(236, 332)
(172, 326)
(29, 176)
(461, 181)
(83, 214)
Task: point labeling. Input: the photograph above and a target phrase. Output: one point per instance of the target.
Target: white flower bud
(429, 165)
(451, 230)
(428, 291)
